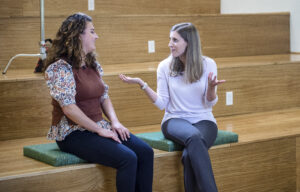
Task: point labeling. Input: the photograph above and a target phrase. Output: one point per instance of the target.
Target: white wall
(265, 6)
(295, 25)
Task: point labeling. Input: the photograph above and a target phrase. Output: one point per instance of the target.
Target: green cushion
(51, 154)
(158, 141)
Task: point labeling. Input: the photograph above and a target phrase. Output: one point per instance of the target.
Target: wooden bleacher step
(54, 8)
(252, 54)
(259, 83)
(264, 159)
(124, 39)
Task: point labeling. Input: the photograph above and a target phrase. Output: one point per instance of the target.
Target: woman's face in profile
(177, 44)
(88, 38)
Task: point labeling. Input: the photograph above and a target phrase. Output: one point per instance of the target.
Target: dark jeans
(133, 159)
(197, 139)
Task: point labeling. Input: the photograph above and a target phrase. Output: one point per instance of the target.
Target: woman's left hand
(212, 80)
(121, 130)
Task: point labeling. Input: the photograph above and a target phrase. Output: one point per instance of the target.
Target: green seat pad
(51, 154)
(158, 141)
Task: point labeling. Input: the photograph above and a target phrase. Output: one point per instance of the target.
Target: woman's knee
(131, 157)
(198, 139)
(128, 158)
(146, 155)
(185, 156)
(148, 151)
(142, 149)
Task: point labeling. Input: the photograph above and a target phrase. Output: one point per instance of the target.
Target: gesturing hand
(212, 80)
(121, 130)
(130, 80)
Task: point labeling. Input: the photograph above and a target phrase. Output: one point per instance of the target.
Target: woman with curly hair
(79, 99)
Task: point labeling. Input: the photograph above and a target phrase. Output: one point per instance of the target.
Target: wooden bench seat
(268, 146)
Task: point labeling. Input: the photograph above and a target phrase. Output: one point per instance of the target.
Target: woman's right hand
(109, 134)
(131, 80)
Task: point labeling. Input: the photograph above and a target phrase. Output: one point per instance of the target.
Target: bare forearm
(149, 92)
(75, 114)
(211, 94)
(212, 86)
(109, 111)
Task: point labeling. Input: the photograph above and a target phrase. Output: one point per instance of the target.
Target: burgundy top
(89, 89)
(88, 92)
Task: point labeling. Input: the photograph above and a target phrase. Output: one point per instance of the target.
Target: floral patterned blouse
(60, 80)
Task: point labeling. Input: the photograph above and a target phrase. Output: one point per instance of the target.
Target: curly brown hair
(67, 44)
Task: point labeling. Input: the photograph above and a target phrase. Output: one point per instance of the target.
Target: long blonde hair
(67, 44)
(193, 68)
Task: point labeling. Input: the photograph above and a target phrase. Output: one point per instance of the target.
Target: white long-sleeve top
(185, 100)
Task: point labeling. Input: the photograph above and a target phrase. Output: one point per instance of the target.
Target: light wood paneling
(11, 8)
(13, 162)
(113, 7)
(133, 68)
(259, 88)
(22, 35)
(253, 166)
(131, 104)
(93, 178)
(25, 109)
(263, 125)
(258, 127)
(124, 39)
(222, 36)
(256, 88)
(261, 166)
(298, 162)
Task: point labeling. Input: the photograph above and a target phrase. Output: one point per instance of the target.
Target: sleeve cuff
(211, 103)
(159, 104)
(103, 97)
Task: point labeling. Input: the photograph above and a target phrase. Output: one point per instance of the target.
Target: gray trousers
(197, 139)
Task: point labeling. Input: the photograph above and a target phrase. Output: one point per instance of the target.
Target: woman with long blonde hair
(186, 89)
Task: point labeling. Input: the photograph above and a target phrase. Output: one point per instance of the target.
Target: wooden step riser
(255, 89)
(26, 109)
(298, 162)
(257, 166)
(125, 39)
(14, 8)
(259, 88)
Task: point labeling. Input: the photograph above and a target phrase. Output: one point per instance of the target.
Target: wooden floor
(251, 128)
